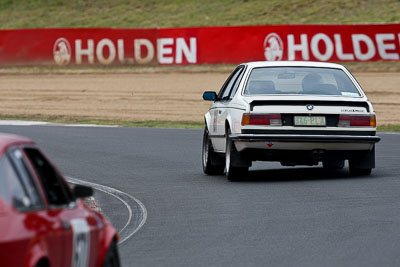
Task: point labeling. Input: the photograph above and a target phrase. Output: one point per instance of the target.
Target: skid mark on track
(137, 213)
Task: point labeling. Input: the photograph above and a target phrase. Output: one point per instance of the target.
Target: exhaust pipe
(317, 154)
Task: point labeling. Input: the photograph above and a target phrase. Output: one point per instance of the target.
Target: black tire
(213, 164)
(359, 172)
(362, 164)
(232, 172)
(112, 256)
(42, 263)
(333, 164)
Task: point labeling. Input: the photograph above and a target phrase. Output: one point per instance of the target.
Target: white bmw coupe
(296, 113)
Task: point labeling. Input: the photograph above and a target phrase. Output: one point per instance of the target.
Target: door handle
(219, 111)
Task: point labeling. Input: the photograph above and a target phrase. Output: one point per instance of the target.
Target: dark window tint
(226, 88)
(236, 85)
(30, 187)
(230, 84)
(56, 190)
(11, 188)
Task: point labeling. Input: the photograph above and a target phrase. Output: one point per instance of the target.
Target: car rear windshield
(299, 81)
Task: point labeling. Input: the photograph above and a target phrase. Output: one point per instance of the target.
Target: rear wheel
(358, 171)
(112, 256)
(333, 164)
(232, 171)
(362, 164)
(212, 162)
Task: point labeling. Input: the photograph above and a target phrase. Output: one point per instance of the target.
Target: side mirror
(81, 191)
(209, 96)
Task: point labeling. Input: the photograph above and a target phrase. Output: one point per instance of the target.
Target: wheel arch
(110, 236)
(207, 120)
(228, 125)
(37, 254)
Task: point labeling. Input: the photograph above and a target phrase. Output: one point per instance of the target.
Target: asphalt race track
(301, 216)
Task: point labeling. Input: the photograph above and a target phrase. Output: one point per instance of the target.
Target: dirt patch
(383, 91)
(149, 96)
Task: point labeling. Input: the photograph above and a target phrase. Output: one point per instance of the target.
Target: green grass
(110, 122)
(389, 128)
(184, 13)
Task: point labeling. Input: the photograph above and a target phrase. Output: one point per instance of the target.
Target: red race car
(43, 222)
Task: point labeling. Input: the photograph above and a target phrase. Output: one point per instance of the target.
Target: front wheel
(232, 172)
(212, 163)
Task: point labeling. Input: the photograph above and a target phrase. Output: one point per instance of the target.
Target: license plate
(309, 121)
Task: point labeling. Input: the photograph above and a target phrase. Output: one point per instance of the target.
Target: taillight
(355, 120)
(261, 119)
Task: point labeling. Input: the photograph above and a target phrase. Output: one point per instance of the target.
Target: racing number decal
(81, 243)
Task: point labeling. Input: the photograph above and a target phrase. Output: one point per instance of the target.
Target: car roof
(256, 64)
(7, 140)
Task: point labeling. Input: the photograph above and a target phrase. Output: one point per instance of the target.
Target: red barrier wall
(199, 45)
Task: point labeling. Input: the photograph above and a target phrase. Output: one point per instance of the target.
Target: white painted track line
(22, 123)
(131, 203)
(43, 123)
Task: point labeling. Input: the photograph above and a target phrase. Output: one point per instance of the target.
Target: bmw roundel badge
(310, 107)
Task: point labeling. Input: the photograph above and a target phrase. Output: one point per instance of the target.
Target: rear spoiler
(307, 102)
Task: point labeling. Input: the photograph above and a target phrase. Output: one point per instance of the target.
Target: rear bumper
(306, 138)
(303, 142)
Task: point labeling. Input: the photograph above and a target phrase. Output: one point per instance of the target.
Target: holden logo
(273, 47)
(62, 51)
(310, 107)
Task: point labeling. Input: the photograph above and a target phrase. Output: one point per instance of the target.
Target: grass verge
(128, 123)
(389, 128)
(109, 122)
